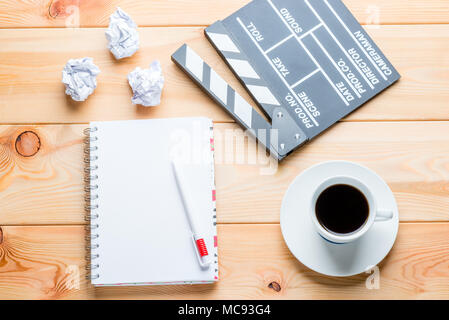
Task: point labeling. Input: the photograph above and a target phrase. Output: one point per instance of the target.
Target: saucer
(339, 260)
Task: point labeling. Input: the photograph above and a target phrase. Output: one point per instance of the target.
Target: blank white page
(144, 235)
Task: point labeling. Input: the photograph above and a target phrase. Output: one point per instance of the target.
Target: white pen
(192, 212)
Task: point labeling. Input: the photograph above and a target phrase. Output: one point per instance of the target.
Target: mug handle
(383, 215)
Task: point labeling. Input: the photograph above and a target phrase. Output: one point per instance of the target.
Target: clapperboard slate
(306, 63)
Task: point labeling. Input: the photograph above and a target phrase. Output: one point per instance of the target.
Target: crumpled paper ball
(122, 35)
(80, 78)
(147, 85)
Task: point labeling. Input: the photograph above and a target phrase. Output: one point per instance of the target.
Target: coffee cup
(343, 209)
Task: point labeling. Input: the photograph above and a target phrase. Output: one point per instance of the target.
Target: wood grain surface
(31, 88)
(88, 13)
(43, 262)
(403, 135)
(48, 187)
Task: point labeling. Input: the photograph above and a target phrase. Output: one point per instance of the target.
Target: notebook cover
(96, 202)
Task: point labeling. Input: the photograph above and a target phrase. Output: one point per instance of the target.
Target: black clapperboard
(306, 63)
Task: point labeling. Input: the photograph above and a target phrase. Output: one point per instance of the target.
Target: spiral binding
(91, 207)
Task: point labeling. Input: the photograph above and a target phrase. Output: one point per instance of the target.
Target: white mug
(375, 213)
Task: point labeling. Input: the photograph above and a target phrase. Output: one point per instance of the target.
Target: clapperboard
(306, 63)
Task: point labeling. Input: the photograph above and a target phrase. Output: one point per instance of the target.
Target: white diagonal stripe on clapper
(218, 86)
(243, 68)
(194, 63)
(243, 110)
(223, 42)
(263, 95)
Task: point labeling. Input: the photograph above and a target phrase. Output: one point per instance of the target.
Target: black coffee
(342, 208)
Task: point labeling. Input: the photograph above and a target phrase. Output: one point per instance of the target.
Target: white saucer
(311, 249)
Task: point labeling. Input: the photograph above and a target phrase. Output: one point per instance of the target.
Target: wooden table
(403, 135)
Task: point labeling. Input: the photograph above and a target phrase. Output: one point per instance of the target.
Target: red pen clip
(201, 252)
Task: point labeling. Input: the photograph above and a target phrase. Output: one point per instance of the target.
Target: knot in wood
(28, 144)
(275, 286)
(62, 8)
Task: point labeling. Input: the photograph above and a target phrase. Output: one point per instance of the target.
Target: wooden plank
(60, 13)
(44, 263)
(412, 157)
(34, 262)
(47, 187)
(31, 62)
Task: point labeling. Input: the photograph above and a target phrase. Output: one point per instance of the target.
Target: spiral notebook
(139, 232)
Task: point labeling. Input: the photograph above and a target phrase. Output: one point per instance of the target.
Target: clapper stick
(240, 65)
(280, 137)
